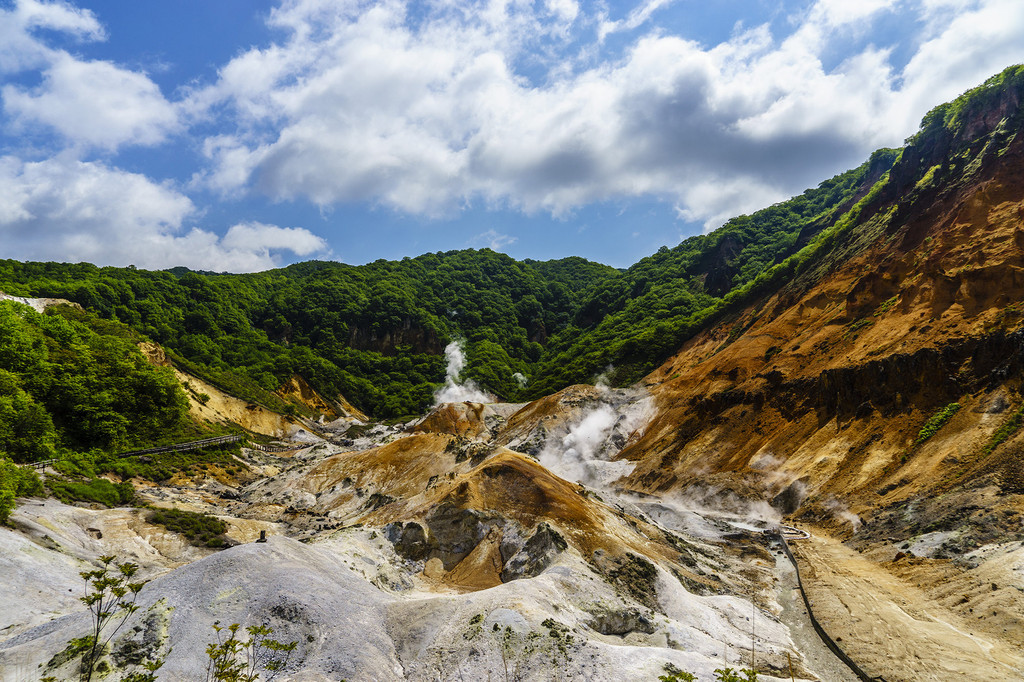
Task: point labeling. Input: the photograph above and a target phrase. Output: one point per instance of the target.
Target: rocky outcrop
(39, 304)
(407, 333)
(535, 555)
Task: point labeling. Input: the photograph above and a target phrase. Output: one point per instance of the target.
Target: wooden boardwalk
(180, 447)
(184, 447)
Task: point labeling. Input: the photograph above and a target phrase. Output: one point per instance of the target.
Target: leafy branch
(235, 660)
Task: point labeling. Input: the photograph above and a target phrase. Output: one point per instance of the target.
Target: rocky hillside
(878, 391)
(835, 377)
(436, 548)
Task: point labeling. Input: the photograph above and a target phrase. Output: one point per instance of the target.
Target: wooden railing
(276, 448)
(184, 447)
(180, 447)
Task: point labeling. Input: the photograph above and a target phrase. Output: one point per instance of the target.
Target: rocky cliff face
(917, 308)
(387, 341)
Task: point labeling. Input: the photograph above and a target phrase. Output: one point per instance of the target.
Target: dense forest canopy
(70, 380)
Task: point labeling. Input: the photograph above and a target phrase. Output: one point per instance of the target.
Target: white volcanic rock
(600, 591)
(325, 596)
(305, 593)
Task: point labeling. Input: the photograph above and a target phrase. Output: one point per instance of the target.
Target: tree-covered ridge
(71, 381)
(633, 321)
(952, 118)
(374, 333)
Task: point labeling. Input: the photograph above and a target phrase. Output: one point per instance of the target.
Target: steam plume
(453, 391)
(585, 454)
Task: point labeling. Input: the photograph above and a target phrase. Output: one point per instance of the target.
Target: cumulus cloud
(19, 49)
(89, 103)
(637, 17)
(94, 103)
(363, 103)
(68, 210)
(427, 108)
(494, 240)
(258, 236)
(841, 12)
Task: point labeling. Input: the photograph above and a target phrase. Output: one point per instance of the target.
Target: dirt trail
(817, 658)
(890, 627)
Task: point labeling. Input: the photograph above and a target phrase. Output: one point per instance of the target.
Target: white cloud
(262, 238)
(94, 103)
(494, 240)
(57, 16)
(90, 103)
(507, 104)
(361, 104)
(719, 199)
(68, 210)
(841, 12)
(636, 18)
(565, 10)
(19, 49)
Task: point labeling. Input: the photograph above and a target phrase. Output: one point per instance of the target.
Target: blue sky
(240, 135)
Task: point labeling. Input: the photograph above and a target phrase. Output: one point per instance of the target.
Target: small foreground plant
(674, 674)
(234, 660)
(110, 597)
(148, 676)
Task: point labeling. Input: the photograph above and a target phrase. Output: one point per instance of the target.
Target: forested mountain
(375, 333)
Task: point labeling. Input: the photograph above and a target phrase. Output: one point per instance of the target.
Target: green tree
(235, 660)
(15, 482)
(110, 598)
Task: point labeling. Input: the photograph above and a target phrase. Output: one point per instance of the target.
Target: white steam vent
(453, 391)
(586, 453)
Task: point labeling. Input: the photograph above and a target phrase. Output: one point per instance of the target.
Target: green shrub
(95, 490)
(110, 597)
(157, 468)
(235, 660)
(936, 422)
(1008, 428)
(201, 530)
(15, 482)
(674, 674)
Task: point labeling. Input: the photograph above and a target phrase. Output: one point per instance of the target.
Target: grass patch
(1009, 427)
(637, 577)
(936, 422)
(886, 305)
(854, 327)
(157, 468)
(98, 490)
(201, 530)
